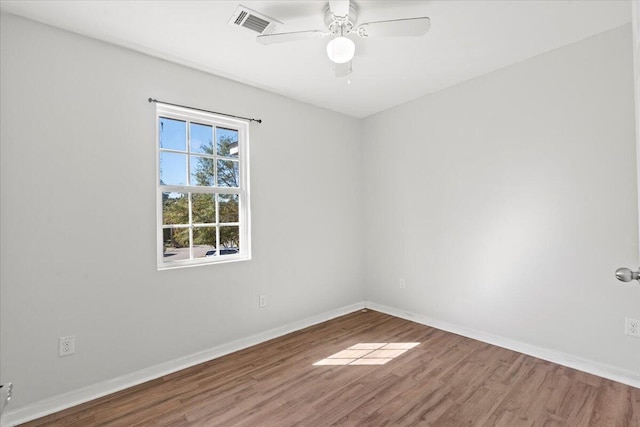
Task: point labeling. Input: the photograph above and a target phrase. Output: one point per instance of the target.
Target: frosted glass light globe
(341, 50)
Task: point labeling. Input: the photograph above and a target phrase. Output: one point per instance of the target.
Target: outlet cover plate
(632, 327)
(66, 345)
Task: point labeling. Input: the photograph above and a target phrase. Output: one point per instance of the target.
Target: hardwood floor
(447, 380)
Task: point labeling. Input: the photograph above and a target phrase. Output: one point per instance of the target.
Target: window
(203, 188)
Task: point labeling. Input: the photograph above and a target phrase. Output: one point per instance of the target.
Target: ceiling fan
(340, 17)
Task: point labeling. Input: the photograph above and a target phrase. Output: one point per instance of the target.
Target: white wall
(78, 214)
(507, 203)
(635, 19)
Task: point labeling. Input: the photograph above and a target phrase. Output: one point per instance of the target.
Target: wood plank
(447, 380)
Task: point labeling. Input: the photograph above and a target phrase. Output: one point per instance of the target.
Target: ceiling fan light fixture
(341, 49)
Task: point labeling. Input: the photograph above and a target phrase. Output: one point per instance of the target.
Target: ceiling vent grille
(252, 20)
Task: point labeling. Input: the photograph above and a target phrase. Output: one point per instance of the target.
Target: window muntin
(203, 205)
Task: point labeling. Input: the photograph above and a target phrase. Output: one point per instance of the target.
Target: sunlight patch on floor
(368, 353)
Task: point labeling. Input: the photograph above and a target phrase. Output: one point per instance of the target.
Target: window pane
(229, 240)
(173, 169)
(228, 173)
(201, 138)
(228, 207)
(227, 142)
(202, 171)
(175, 209)
(204, 241)
(204, 208)
(173, 134)
(202, 192)
(176, 244)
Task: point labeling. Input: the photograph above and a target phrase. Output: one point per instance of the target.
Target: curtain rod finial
(151, 100)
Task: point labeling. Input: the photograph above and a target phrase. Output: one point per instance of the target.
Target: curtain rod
(206, 111)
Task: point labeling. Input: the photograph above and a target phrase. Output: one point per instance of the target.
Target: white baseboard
(54, 404)
(596, 368)
(63, 401)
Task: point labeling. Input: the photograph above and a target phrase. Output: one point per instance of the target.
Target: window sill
(199, 263)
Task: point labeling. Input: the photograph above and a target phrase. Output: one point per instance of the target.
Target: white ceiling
(467, 39)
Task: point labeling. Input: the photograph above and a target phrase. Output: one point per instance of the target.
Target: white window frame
(244, 224)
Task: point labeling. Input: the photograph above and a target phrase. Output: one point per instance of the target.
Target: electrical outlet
(402, 284)
(66, 345)
(5, 395)
(632, 327)
(263, 301)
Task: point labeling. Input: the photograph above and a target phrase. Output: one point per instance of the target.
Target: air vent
(240, 17)
(252, 20)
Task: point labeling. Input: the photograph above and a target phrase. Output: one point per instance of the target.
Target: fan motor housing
(333, 23)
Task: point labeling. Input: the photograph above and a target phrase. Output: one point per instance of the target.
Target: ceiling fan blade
(289, 37)
(342, 70)
(409, 27)
(339, 7)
